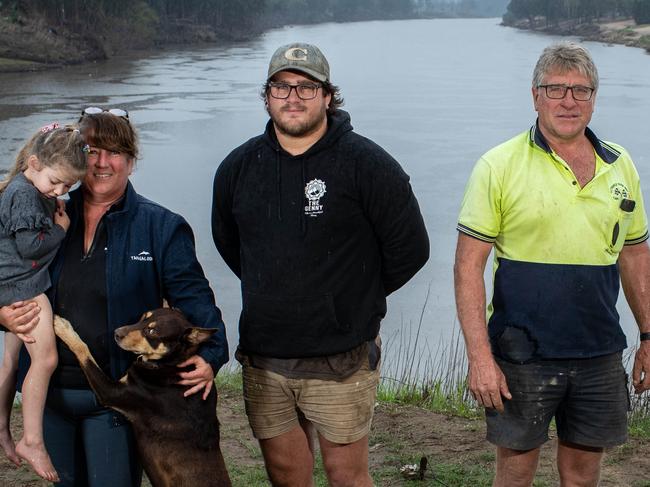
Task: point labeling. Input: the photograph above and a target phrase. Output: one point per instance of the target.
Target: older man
(320, 224)
(564, 213)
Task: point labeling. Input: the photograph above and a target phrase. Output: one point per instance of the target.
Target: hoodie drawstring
(303, 223)
(278, 177)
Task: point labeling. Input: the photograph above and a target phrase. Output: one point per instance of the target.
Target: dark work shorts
(588, 397)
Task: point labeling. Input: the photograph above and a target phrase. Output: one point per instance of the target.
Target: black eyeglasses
(579, 92)
(305, 91)
(118, 112)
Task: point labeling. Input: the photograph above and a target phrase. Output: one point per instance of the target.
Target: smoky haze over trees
(237, 17)
(57, 32)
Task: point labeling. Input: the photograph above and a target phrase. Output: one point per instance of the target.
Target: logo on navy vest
(619, 191)
(143, 256)
(314, 191)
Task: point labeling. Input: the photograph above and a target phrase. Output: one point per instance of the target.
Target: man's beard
(294, 129)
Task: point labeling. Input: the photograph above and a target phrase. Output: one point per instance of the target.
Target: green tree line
(239, 15)
(89, 14)
(579, 11)
(218, 13)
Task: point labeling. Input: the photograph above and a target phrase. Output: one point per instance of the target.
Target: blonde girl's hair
(53, 146)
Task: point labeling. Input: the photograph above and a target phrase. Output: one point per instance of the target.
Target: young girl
(33, 223)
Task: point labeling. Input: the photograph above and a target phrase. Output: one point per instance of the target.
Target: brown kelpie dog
(177, 437)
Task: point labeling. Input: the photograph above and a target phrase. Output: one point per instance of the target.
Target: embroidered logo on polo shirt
(314, 191)
(619, 191)
(143, 256)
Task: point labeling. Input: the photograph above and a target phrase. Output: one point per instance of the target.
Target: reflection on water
(434, 93)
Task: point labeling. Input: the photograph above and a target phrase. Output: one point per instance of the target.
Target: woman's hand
(20, 318)
(202, 377)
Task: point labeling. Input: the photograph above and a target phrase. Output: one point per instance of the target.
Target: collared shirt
(556, 245)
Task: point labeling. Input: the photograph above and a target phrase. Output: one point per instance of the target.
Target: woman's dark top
(81, 299)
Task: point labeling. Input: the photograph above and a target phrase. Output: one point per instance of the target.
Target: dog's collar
(146, 363)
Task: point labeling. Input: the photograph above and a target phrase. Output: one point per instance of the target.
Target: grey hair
(564, 57)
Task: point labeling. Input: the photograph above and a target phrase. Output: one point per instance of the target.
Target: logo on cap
(296, 54)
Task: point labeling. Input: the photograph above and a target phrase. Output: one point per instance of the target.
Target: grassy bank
(423, 410)
(403, 432)
(13, 65)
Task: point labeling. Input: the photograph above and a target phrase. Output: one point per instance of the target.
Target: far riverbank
(32, 45)
(625, 32)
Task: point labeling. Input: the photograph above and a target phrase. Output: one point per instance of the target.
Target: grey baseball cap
(302, 57)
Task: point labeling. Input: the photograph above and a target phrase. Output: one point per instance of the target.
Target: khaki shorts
(341, 411)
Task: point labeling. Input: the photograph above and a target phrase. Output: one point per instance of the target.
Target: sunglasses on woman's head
(118, 112)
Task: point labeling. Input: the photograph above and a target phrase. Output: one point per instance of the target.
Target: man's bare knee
(578, 466)
(349, 474)
(340, 478)
(346, 465)
(288, 459)
(515, 468)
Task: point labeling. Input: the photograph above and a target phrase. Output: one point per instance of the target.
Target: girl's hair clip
(50, 127)
(86, 148)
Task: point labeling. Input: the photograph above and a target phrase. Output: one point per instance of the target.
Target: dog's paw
(63, 329)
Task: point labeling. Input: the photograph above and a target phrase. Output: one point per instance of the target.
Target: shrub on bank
(644, 42)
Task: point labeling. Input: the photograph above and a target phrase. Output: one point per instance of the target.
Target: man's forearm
(469, 287)
(470, 304)
(634, 268)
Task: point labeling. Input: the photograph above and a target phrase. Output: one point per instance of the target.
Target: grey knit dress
(29, 240)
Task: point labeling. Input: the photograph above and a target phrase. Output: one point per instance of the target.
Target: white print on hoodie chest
(314, 191)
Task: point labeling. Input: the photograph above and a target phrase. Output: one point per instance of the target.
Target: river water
(435, 93)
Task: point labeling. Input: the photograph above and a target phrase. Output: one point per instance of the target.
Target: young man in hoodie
(320, 224)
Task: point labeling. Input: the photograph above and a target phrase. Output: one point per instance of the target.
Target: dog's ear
(196, 335)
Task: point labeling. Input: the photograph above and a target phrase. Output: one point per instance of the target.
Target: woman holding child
(122, 256)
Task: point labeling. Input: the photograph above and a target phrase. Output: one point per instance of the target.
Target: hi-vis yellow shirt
(555, 246)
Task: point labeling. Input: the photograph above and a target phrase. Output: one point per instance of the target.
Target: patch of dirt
(446, 440)
(400, 434)
(629, 26)
(625, 32)
(622, 32)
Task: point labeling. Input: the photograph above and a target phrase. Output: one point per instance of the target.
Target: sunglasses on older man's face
(118, 112)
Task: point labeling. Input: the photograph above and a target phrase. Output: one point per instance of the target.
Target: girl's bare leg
(8, 392)
(44, 360)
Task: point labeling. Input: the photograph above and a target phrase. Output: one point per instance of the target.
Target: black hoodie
(318, 240)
